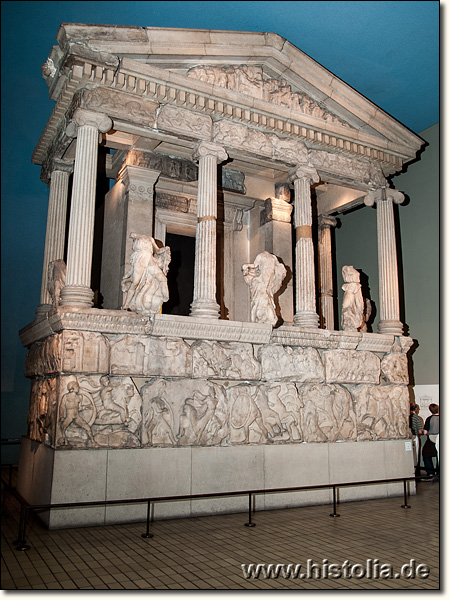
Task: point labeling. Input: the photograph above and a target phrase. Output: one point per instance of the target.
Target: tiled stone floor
(207, 553)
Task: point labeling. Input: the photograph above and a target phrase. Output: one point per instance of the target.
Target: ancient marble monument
(230, 138)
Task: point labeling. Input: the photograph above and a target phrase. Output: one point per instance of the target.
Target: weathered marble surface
(144, 355)
(351, 366)
(352, 317)
(224, 361)
(286, 363)
(98, 411)
(144, 286)
(91, 390)
(264, 277)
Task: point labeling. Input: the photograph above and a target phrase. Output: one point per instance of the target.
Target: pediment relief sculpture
(250, 80)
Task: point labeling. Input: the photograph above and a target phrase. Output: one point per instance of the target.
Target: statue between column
(356, 310)
(264, 278)
(56, 280)
(145, 287)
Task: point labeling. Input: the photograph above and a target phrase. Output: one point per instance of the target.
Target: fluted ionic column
(56, 226)
(387, 259)
(305, 285)
(77, 291)
(326, 271)
(204, 303)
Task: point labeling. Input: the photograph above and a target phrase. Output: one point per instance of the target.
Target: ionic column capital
(383, 194)
(203, 149)
(83, 117)
(326, 221)
(60, 165)
(304, 172)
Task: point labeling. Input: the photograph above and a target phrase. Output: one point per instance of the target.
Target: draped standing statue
(145, 285)
(352, 317)
(264, 278)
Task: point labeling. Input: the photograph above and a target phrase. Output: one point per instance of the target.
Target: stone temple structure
(245, 144)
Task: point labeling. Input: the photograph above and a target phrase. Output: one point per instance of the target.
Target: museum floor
(207, 553)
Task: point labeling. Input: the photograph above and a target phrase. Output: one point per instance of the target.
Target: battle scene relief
(171, 392)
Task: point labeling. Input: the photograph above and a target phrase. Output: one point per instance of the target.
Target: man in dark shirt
(431, 430)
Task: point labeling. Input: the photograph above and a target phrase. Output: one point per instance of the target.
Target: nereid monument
(245, 144)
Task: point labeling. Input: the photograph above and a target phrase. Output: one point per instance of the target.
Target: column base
(391, 327)
(77, 295)
(307, 319)
(206, 309)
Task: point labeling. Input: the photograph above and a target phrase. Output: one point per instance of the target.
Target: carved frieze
(264, 413)
(394, 368)
(98, 411)
(41, 417)
(183, 413)
(44, 358)
(347, 168)
(184, 122)
(235, 135)
(283, 363)
(224, 361)
(172, 168)
(149, 356)
(251, 81)
(119, 104)
(382, 411)
(327, 413)
(84, 352)
(351, 366)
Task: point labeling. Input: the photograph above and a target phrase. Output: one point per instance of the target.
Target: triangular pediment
(249, 63)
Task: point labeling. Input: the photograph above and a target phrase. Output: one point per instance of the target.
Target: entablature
(134, 93)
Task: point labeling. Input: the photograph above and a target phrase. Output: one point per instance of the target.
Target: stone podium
(203, 133)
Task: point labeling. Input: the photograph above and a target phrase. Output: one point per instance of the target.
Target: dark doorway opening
(180, 277)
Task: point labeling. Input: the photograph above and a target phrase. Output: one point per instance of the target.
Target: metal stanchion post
(21, 543)
(147, 534)
(405, 496)
(250, 524)
(334, 514)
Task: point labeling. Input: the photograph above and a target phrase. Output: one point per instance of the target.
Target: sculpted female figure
(145, 285)
(352, 318)
(264, 279)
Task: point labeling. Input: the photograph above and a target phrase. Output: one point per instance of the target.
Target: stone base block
(53, 476)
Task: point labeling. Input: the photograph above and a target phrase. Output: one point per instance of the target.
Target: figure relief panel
(224, 361)
(327, 413)
(238, 136)
(351, 366)
(251, 81)
(150, 356)
(99, 412)
(119, 104)
(228, 133)
(344, 166)
(265, 413)
(184, 122)
(382, 411)
(285, 363)
(394, 368)
(84, 352)
(183, 413)
(44, 358)
(41, 417)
